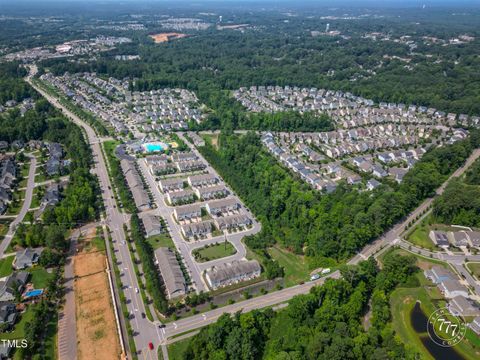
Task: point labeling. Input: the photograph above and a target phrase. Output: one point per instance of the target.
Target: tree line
(320, 225)
(324, 324)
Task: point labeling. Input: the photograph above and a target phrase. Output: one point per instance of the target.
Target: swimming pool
(32, 293)
(155, 147)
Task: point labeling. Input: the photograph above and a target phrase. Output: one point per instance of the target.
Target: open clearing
(165, 37)
(296, 268)
(96, 328)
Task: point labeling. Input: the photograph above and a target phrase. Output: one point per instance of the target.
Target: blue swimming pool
(33, 293)
(154, 147)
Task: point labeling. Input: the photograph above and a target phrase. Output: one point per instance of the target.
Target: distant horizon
(330, 3)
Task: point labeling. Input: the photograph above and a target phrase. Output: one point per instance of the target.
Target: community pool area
(155, 147)
(33, 293)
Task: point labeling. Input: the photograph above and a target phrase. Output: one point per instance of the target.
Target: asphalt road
(184, 247)
(25, 206)
(394, 234)
(147, 331)
(271, 299)
(144, 330)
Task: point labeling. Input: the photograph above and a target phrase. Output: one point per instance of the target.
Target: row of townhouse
(314, 179)
(455, 238)
(457, 295)
(345, 108)
(216, 208)
(135, 183)
(223, 223)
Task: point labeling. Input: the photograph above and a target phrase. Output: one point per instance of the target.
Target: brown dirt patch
(424, 265)
(165, 37)
(96, 327)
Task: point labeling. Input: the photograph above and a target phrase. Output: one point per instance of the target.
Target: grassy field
(216, 251)
(162, 240)
(296, 268)
(419, 235)
(6, 266)
(211, 139)
(176, 350)
(474, 267)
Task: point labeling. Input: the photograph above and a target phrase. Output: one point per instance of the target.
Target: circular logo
(446, 329)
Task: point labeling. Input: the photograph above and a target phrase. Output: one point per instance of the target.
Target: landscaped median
(85, 116)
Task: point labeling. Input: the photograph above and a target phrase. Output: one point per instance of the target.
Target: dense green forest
(324, 324)
(284, 53)
(333, 225)
(460, 202)
(10, 86)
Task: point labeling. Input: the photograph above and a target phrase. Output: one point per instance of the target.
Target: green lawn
(419, 236)
(39, 177)
(39, 277)
(296, 268)
(217, 251)
(24, 170)
(176, 350)
(162, 240)
(6, 266)
(474, 267)
(14, 208)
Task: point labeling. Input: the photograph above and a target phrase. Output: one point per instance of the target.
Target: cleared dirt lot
(164, 37)
(96, 328)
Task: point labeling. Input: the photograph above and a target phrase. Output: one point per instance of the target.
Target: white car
(136, 290)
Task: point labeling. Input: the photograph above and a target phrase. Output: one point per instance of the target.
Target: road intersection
(146, 331)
